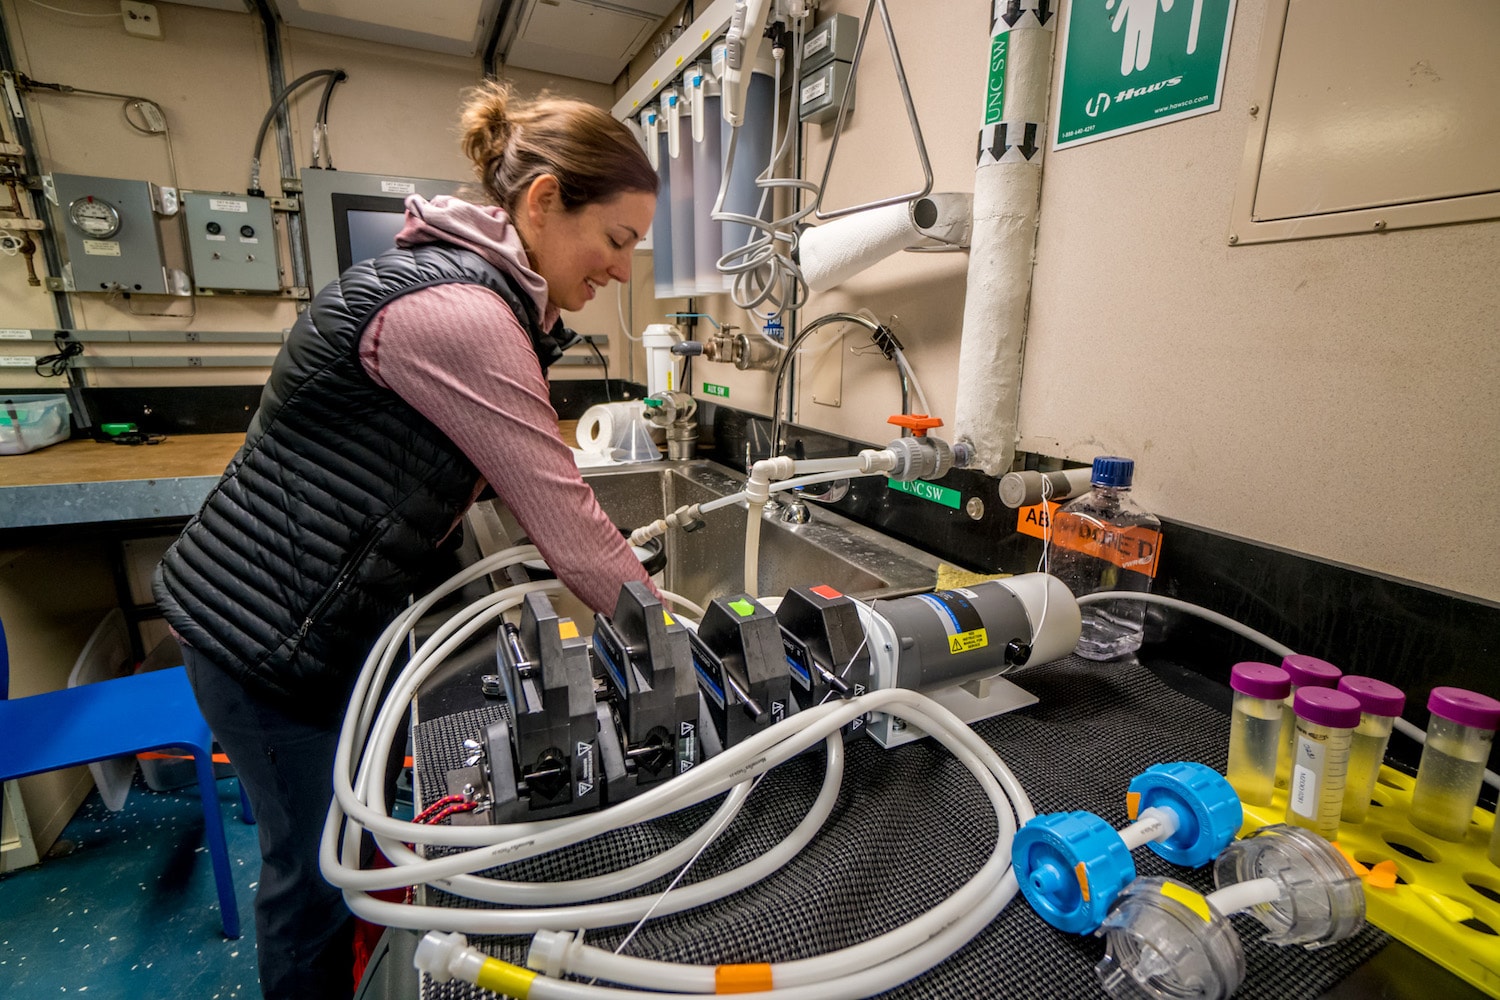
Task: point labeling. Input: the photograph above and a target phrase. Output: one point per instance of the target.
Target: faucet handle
(918, 423)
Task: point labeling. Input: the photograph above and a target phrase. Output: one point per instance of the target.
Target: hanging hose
(276, 102)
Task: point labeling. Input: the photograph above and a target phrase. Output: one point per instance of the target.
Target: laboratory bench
(910, 826)
(89, 482)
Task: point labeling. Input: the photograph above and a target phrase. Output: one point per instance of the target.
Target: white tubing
(753, 517)
(1240, 896)
(1006, 197)
(1152, 826)
(683, 604)
(373, 723)
(911, 377)
(1225, 621)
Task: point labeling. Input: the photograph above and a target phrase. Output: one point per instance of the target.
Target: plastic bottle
(1103, 541)
(1379, 705)
(1458, 744)
(1320, 759)
(1306, 671)
(1255, 730)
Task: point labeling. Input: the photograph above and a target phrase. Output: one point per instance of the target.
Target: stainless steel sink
(709, 562)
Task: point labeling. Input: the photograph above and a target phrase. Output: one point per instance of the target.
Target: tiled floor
(124, 907)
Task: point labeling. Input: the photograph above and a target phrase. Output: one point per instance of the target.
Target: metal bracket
(291, 204)
(911, 117)
(53, 284)
(33, 225)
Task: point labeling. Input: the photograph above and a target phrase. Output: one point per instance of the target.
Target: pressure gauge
(94, 218)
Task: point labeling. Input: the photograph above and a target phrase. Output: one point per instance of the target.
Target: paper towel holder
(946, 217)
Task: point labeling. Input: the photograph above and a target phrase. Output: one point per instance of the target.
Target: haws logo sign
(1135, 549)
(1132, 64)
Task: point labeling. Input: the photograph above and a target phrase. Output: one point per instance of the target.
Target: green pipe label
(929, 491)
(994, 100)
(709, 389)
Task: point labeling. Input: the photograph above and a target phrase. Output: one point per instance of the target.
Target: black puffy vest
(332, 511)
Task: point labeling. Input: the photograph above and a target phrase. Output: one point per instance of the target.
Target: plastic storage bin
(31, 422)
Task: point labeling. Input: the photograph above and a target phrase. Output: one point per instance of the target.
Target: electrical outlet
(140, 19)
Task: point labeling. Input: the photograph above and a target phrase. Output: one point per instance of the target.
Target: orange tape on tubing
(751, 978)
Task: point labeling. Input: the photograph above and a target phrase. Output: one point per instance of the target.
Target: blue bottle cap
(1111, 470)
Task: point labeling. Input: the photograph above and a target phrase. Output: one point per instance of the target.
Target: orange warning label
(1033, 520)
(1135, 549)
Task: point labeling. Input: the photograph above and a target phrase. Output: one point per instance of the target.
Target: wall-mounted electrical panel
(827, 59)
(231, 242)
(110, 228)
(822, 91)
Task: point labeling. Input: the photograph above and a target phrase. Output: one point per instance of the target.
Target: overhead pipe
(1007, 195)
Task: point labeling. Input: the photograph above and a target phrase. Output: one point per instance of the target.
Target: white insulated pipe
(1007, 191)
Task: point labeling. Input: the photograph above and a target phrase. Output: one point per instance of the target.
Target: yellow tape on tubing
(505, 979)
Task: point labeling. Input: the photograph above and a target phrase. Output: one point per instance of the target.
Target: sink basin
(709, 562)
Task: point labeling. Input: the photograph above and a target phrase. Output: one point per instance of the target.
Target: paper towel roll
(835, 251)
(601, 425)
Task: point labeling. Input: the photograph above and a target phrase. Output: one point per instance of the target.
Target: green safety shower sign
(1132, 64)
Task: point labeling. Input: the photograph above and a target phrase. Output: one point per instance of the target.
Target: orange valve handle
(918, 423)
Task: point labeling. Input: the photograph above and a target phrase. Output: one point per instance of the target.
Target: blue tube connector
(1208, 810)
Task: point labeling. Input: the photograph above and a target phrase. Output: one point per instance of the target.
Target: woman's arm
(458, 356)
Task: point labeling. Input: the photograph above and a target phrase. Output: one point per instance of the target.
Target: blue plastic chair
(115, 718)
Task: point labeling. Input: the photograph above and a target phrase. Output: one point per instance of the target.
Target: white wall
(396, 113)
(1338, 397)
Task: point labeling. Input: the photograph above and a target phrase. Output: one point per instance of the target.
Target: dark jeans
(303, 930)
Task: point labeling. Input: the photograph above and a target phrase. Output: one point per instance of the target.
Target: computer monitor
(351, 217)
(365, 226)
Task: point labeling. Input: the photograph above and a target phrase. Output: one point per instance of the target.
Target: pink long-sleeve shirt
(458, 355)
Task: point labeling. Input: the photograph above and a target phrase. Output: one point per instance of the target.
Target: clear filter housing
(1321, 900)
(1164, 940)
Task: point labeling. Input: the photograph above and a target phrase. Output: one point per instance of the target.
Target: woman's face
(578, 252)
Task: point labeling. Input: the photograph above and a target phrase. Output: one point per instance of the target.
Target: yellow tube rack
(1440, 897)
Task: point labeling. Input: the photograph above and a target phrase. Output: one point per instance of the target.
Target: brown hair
(512, 143)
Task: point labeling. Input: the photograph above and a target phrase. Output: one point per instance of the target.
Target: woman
(410, 382)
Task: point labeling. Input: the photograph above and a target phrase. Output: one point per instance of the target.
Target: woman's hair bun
(486, 124)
